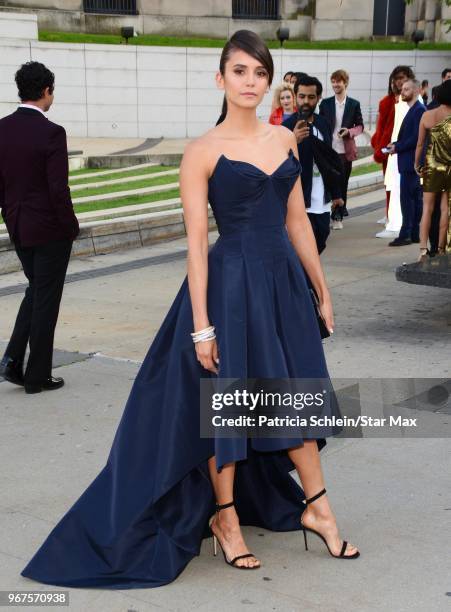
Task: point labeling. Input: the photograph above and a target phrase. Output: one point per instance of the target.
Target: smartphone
(385, 150)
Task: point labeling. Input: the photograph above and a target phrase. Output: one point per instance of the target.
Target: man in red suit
(386, 116)
(37, 209)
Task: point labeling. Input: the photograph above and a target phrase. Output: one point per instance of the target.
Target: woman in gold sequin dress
(436, 172)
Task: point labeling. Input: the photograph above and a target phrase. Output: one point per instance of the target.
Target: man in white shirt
(345, 119)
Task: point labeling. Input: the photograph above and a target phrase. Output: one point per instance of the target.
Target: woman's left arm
(303, 240)
(420, 144)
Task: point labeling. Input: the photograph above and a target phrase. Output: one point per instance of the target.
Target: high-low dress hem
(143, 518)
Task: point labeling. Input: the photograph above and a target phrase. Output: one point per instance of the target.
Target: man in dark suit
(411, 191)
(37, 209)
(446, 75)
(345, 119)
(306, 125)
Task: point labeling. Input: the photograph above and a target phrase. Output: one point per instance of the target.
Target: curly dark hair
(32, 79)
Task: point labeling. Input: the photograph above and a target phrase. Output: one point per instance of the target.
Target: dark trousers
(435, 222)
(45, 268)
(338, 212)
(411, 206)
(321, 228)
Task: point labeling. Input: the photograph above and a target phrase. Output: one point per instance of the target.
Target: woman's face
(286, 100)
(245, 80)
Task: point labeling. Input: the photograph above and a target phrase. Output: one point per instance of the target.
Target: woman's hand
(207, 354)
(337, 203)
(325, 307)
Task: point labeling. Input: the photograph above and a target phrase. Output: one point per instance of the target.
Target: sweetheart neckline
(239, 161)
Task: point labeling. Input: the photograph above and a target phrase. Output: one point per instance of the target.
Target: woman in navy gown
(144, 516)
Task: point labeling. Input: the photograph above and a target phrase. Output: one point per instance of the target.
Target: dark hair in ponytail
(252, 44)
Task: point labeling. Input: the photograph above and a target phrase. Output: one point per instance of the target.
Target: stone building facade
(306, 19)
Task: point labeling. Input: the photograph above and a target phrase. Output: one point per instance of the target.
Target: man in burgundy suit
(37, 209)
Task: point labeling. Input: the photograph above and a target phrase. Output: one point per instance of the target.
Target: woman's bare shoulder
(197, 146)
(430, 116)
(201, 149)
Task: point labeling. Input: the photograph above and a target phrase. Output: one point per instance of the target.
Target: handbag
(324, 332)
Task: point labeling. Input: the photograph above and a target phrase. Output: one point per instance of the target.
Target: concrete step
(369, 159)
(143, 227)
(355, 182)
(121, 211)
(119, 181)
(116, 195)
(113, 171)
(365, 180)
(358, 197)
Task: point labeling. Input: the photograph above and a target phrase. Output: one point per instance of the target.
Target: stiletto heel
(216, 541)
(305, 539)
(424, 254)
(305, 529)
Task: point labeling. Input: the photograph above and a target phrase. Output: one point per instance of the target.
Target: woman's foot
(441, 250)
(424, 254)
(226, 527)
(319, 516)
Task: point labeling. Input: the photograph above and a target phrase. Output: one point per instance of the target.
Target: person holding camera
(320, 165)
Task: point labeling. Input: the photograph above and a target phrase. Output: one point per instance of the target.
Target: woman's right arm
(194, 172)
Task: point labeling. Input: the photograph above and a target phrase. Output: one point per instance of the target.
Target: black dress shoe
(12, 371)
(50, 384)
(415, 240)
(398, 242)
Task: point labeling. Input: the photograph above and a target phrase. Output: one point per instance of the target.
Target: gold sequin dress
(436, 172)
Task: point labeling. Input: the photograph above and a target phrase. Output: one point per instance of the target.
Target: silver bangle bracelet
(204, 339)
(202, 332)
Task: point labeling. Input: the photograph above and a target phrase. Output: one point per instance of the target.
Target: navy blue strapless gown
(143, 517)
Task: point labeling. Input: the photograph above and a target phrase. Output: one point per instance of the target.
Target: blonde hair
(277, 93)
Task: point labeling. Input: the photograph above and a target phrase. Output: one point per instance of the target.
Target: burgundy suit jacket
(34, 176)
(384, 128)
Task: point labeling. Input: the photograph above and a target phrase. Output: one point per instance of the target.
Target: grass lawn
(175, 41)
(79, 180)
(366, 169)
(81, 171)
(126, 201)
(159, 180)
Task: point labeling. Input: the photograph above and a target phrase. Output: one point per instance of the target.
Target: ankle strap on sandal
(312, 499)
(221, 507)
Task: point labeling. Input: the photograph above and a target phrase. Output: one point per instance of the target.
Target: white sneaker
(382, 221)
(337, 225)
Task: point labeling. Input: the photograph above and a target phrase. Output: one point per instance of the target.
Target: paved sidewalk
(391, 496)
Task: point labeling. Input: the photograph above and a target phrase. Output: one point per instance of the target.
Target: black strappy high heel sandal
(424, 255)
(305, 529)
(233, 561)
